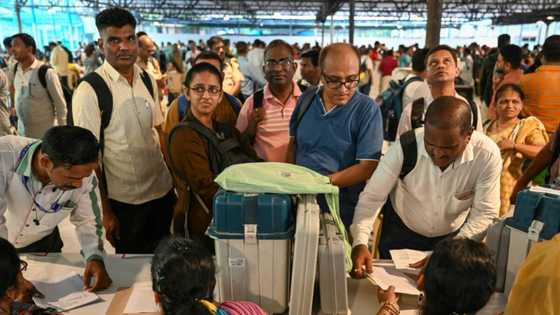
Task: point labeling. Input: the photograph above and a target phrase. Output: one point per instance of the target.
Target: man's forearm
(541, 161)
(354, 174)
(291, 154)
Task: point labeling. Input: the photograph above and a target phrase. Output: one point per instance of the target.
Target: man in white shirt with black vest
(435, 182)
(136, 184)
(441, 67)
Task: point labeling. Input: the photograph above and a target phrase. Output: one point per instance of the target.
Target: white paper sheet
(387, 276)
(63, 292)
(403, 258)
(141, 299)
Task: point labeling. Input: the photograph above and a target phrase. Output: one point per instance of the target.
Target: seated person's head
(203, 89)
(10, 266)
(182, 277)
(509, 101)
(459, 278)
(448, 130)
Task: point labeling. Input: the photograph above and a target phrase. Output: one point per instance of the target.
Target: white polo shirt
(432, 202)
(30, 211)
(134, 165)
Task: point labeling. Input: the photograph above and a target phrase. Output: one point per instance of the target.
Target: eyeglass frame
(284, 62)
(328, 82)
(199, 92)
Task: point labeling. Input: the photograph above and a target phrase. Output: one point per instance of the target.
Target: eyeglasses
(284, 63)
(200, 90)
(349, 83)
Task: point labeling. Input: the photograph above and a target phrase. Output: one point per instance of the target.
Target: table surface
(126, 271)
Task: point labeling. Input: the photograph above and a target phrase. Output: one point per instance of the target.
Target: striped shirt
(272, 137)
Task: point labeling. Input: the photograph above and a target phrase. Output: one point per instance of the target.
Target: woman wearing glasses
(200, 148)
(15, 291)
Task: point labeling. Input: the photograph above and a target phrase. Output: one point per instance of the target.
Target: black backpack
(419, 105)
(67, 93)
(390, 102)
(105, 103)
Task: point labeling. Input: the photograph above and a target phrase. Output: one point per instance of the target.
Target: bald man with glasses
(340, 133)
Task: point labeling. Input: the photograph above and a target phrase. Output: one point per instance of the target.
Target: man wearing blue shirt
(340, 134)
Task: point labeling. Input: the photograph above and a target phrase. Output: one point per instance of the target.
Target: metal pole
(18, 16)
(433, 24)
(332, 28)
(323, 34)
(351, 22)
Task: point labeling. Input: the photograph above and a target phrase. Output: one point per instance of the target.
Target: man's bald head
(337, 51)
(147, 47)
(447, 112)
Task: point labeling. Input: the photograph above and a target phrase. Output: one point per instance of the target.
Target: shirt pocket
(462, 201)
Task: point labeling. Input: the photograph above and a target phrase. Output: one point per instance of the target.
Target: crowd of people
(126, 138)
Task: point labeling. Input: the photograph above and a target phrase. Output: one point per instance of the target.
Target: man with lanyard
(42, 183)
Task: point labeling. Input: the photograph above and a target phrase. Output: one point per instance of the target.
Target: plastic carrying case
(253, 234)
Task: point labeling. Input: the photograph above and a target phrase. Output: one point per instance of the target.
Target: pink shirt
(271, 141)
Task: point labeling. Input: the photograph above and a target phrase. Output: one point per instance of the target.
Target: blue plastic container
(531, 205)
(273, 215)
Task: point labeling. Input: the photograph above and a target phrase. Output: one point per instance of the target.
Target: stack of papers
(389, 276)
(403, 258)
(141, 299)
(63, 293)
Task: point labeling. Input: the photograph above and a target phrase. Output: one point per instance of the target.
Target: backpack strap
(148, 83)
(474, 111)
(42, 74)
(306, 99)
(105, 104)
(233, 102)
(183, 105)
(258, 99)
(409, 147)
(417, 113)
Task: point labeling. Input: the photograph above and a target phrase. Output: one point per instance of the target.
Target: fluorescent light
(550, 18)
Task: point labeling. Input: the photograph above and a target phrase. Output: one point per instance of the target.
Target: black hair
(183, 272)
(279, 43)
(447, 112)
(84, 147)
(140, 34)
(313, 55)
(512, 54)
(504, 40)
(551, 48)
(419, 60)
(325, 52)
(437, 48)
(209, 55)
(116, 17)
(460, 277)
(27, 40)
(200, 68)
(10, 265)
(7, 42)
(510, 87)
(214, 40)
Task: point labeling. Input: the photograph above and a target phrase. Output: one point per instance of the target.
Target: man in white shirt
(38, 96)
(44, 182)
(417, 88)
(447, 183)
(441, 67)
(138, 212)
